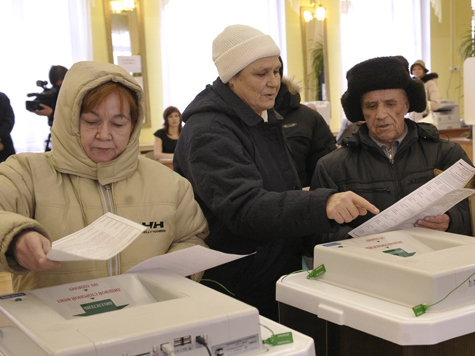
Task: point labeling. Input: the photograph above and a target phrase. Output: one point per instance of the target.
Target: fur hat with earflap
(378, 74)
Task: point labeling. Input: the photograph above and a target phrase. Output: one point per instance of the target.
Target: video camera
(47, 97)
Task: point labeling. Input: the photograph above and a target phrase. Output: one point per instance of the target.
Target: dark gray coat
(362, 167)
(308, 134)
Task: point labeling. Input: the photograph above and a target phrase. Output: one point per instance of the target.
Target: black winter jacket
(7, 120)
(306, 130)
(245, 181)
(362, 167)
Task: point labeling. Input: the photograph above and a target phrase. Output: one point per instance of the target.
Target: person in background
(233, 151)
(419, 71)
(7, 121)
(305, 129)
(389, 156)
(347, 129)
(93, 169)
(56, 77)
(166, 138)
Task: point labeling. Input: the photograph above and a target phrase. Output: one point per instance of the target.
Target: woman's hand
(30, 248)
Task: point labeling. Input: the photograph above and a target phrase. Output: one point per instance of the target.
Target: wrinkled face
(258, 84)
(384, 112)
(173, 119)
(417, 71)
(105, 131)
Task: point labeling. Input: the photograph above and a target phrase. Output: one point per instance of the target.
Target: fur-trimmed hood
(288, 96)
(292, 85)
(429, 76)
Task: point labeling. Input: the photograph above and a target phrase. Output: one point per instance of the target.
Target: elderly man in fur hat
(389, 156)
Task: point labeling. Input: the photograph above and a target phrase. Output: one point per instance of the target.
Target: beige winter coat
(59, 192)
(433, 102)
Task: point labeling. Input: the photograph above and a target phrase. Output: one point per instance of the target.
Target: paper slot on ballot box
(397, 243)
(433, 198)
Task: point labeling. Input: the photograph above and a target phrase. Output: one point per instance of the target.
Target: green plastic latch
(317, 272)
(279, 339)
(420, 309)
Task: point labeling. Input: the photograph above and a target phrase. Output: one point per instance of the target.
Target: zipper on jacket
(393, 168)
(377, 190)
(391, 157)
(109, 207)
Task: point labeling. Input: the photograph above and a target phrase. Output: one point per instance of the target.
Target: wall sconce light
(321, 13)
(118, 6)
(308, 15)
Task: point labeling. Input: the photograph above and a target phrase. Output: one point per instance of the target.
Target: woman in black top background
(166, 138)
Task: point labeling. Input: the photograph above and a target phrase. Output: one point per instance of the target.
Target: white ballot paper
(110, 234)
(101, 240)
(433, 198)
(187, 261)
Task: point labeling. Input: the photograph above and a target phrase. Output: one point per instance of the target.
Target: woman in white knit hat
(233, 151)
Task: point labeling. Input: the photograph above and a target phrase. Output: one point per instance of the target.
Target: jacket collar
(430, 76)
(239, 107)
(415, 131)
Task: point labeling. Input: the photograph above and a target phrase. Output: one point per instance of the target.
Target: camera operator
(56, 76)
(45, 102)
(7, 120)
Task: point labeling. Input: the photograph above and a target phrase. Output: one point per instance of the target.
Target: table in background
(459, 135)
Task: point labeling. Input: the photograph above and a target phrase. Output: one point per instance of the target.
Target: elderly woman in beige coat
(94, 168)
(418, 70)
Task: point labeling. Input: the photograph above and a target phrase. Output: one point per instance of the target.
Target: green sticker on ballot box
(399, 252)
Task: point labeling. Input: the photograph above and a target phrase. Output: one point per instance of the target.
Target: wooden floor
(5, 283)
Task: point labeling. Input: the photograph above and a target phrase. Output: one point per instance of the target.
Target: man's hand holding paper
(438, 222)
(425, 206)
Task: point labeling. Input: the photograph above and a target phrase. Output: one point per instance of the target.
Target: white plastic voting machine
(154, 312)
(373, 283)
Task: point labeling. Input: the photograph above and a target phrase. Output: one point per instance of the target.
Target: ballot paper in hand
(101, 240)
(110, 234)
(433, 198)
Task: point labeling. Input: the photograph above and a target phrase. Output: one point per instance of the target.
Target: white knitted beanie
(237, 47)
